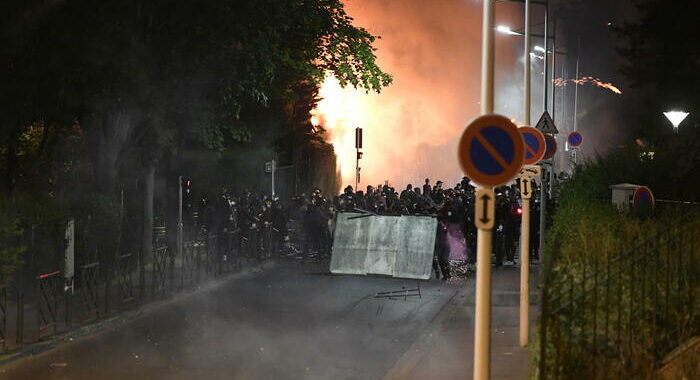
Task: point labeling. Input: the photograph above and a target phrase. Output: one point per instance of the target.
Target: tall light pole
(526, 60)
(543, 188)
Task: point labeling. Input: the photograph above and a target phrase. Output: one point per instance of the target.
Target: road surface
(290, 321)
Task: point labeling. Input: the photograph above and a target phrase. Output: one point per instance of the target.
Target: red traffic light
(519, 211)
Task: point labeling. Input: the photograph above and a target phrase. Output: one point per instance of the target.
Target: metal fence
(622, 314)
(39, 302)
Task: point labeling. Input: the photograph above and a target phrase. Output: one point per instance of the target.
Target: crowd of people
(454, 209)
(306, 224)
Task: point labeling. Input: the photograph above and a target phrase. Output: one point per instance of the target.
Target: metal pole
(543, 209)
(527, 60)
(482, 318)
(357, 164)
(180, 226)
(543, 187)
(487, 58)
(525, 272)
(273, 178)
(545, 89)
(554, 65)
(576, 98)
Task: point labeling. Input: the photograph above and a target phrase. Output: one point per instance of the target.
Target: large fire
(339, 112)
(411, 129)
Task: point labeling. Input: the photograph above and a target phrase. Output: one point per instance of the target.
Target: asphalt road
(289, 322)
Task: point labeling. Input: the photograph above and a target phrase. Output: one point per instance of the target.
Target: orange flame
(560, 82)
(340, 111)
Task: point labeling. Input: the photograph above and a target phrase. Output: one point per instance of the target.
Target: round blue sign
(493, 153)
(574, 139)
(534, 144)
(491, 150)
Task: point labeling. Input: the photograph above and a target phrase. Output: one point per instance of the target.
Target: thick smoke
(433, 50)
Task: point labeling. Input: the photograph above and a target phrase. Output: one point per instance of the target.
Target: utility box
(622, 194)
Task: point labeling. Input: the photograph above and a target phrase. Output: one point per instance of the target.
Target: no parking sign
(643, 200)
(575, 139)
(491, 150)
(551, 147)
(535, 146)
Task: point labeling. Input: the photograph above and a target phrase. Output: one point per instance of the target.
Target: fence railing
(618, 316)
(43, 303)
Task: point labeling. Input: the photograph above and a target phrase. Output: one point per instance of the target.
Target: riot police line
(303, 227)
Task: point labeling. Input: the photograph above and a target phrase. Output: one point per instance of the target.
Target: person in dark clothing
(427, 189)
(441, 259)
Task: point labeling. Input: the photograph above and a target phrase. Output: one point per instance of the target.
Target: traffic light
(358, 138)
(359, 155)
(186, 185)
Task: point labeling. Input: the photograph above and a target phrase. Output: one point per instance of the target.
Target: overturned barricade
(397, 246)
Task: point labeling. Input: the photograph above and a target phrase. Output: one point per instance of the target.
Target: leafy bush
(602, 267)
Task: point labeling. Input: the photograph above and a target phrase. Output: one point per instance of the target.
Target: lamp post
(676, 118)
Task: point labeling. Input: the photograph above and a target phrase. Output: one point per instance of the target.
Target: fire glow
(339, 111)
(560, 82)
(411, 129)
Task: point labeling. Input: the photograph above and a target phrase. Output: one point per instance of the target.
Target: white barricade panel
(398, 246)
(417, 246)
(350, 244)
(382, 244)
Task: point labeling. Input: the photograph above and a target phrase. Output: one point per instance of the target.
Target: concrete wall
(397, 246)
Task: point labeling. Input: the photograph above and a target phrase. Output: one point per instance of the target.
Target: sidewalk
(445, 349)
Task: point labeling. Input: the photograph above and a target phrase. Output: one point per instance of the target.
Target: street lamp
(676, 118)
(507, 30)
(539, 48)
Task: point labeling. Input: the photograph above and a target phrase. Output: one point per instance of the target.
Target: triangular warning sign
(546, 124)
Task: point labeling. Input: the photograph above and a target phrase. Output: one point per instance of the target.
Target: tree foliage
(142, 76)
(91, 90)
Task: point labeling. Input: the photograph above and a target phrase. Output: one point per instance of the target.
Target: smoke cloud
(433, 50)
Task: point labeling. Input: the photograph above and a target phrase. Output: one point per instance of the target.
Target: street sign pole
(526, 180)
(274, 168)
(180, 228)
(482, 320)
(525, 268)
(543, 209)
(485, 212)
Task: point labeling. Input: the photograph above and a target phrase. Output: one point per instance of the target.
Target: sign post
(574, 140)
(547, 127)
(491, 153)
(180, 225)
(274, 169)
(358, 155)
(69, 256)
(535, 149)
(527, 175)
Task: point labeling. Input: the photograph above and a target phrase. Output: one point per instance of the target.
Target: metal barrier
(201, 259)
(190, 263)
(125, 283)
(88, 290)
(624, 313)
(212, 255)
(162, 266)
(48, 290)
(3, 315)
